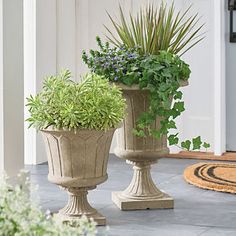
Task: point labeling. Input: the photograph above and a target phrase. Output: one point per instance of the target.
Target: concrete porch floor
(197, 211)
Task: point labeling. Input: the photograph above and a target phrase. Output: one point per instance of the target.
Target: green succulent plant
(156, 29)
(63, 103)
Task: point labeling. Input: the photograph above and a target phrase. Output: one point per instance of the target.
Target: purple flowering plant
(118, 64)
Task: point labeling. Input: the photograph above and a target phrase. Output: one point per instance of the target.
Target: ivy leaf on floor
(206, 145)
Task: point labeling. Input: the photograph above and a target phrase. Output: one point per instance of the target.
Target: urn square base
(97, 217)
(125, 204)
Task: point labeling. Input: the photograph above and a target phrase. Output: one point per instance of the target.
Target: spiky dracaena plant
(63, 103)
(157, 29)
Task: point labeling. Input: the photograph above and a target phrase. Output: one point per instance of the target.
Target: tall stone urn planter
(142, 193)
(77, 162)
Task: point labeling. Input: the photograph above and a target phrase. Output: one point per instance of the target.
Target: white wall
(198, 119)
(65, 27)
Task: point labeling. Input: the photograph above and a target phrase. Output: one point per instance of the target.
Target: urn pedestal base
(78, 205)
(97, 217)
(142, 192)
(126, 204)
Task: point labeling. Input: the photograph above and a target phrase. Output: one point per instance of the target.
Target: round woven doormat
(214, 176)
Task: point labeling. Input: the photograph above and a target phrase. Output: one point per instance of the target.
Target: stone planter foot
(78, 205)
(97, 217)
(125, 204)
(142, 192)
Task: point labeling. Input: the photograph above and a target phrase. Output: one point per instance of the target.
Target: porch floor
(197, 211)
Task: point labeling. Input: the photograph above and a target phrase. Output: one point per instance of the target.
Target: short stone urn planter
(77, 121)
(142, 193)
(77, 162)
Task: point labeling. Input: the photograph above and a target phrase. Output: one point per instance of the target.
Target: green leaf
(173, 139)
(186, 144)
(171, 125)
(206, 145)
(179, 106)
(178, 95)
(197, 143)
(156, 134)
(139, 133)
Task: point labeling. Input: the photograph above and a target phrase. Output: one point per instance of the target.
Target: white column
(50, 33)
(220, 77)
(40, 48)
(29, 73)
(11, 87)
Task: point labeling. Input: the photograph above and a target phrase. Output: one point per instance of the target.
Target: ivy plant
(162, 74)
(63, 103)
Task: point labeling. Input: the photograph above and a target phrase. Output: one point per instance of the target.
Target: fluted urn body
(130, 146)
(141, 152)
(77, 162)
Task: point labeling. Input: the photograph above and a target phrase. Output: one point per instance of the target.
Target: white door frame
(220, 78)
